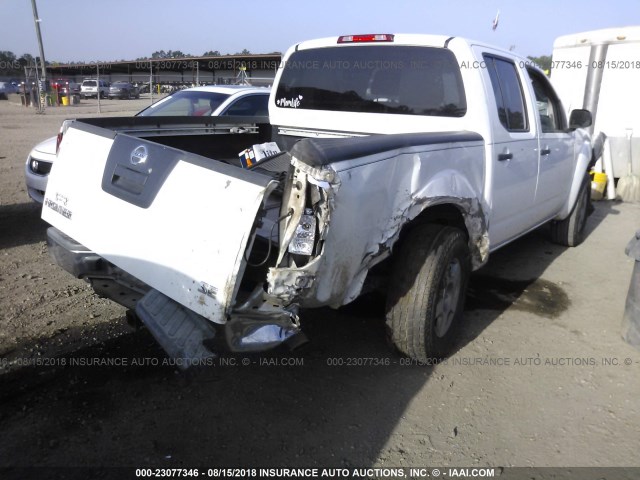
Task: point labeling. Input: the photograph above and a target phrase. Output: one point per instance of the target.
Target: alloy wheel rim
(448, 298)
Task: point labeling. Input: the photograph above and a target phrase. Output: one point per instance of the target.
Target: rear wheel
(570, 231)
(426, 297)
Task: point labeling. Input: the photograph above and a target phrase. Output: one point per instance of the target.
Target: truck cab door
(514, 151)
(555, 148)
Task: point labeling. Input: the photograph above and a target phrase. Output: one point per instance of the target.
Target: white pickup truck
(405, 161)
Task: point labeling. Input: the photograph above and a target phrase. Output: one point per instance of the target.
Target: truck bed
(189, 134)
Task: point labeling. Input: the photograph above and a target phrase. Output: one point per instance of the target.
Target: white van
(91, 87)
(600, 71)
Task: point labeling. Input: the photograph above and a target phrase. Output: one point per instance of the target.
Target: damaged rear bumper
(191, 340)
(106, 279)
(187, 337)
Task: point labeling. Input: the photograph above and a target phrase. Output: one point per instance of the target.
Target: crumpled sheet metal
(368, 202)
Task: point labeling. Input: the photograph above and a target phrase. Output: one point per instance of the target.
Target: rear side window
(508, 92)
(249, 106)
(186, 104)
(374, 79)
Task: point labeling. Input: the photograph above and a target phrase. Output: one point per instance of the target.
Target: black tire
(570, 231)
(425, 301)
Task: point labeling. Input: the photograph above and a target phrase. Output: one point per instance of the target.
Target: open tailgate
(177, 221)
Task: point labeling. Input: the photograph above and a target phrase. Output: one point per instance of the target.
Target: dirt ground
(540, 377)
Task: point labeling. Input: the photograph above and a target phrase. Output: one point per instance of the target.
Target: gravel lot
(541, 376)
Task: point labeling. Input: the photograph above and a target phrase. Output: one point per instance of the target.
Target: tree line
(179, 54)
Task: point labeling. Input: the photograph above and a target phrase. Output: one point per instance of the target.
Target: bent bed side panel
(372, 197)
(176, 221)
(325, 151)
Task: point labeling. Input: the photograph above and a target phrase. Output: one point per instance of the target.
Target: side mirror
(580, 118)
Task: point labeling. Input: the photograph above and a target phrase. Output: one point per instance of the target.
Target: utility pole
(43, 76)
(98, 82)
(151, 81)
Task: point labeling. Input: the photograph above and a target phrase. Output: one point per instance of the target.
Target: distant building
(225, 69)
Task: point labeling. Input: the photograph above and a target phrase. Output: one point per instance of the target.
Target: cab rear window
(392, 79)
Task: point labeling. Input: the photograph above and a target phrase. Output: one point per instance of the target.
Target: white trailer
(600, 71)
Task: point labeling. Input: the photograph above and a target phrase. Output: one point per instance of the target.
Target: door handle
(505, 156)
(545, 151)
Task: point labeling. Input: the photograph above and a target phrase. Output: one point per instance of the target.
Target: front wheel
(425, 302)
(570, 231)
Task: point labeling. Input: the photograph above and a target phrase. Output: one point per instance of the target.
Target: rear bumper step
(179, 331)
(187, 337)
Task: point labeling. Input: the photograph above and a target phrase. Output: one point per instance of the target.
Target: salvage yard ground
(540, 377)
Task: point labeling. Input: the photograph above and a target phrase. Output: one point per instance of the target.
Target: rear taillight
(58, 140)
(370, 37)
(63, 129)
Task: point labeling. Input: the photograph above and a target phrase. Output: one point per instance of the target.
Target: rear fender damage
(296, 279)
(313, 189)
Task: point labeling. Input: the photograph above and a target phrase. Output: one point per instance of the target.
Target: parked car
(212, 100)
(123, 90)
(226, 100)
(38, 167)
(62, 84)
(6, 88)
(91, 87)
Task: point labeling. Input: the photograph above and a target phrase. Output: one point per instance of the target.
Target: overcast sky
(90, 30)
